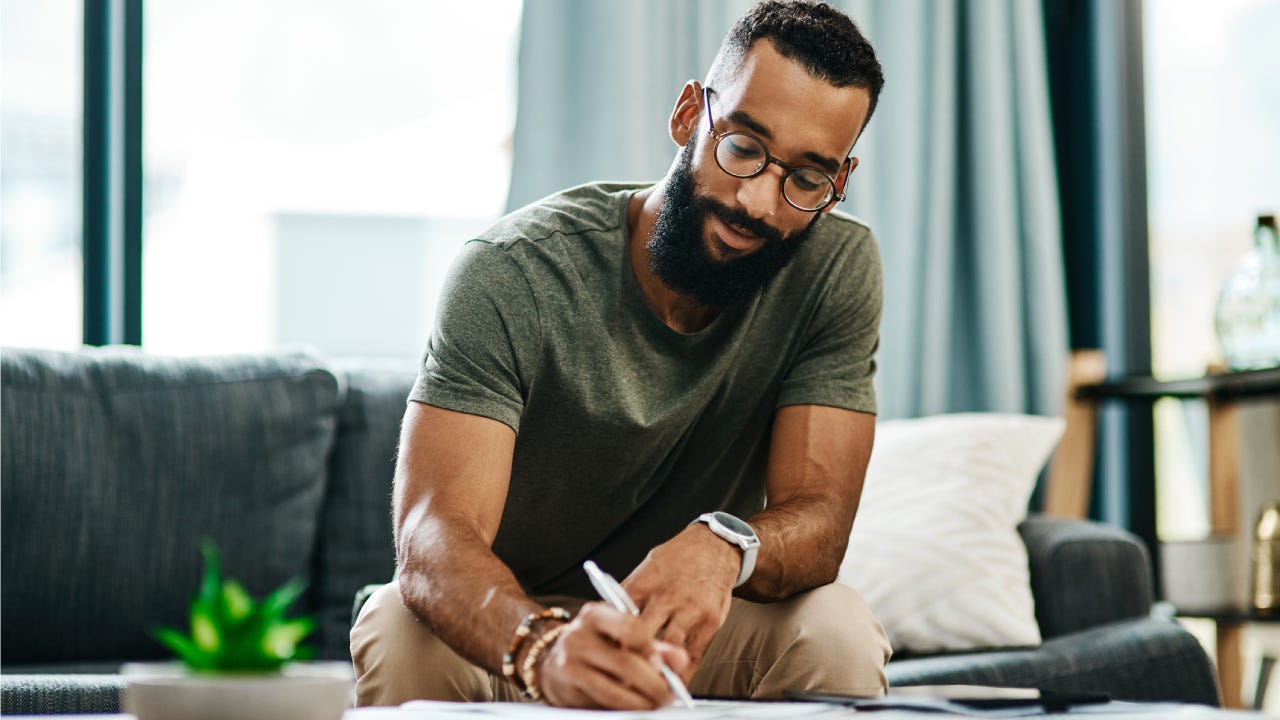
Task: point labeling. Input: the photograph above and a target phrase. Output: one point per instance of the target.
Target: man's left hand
(684, 587)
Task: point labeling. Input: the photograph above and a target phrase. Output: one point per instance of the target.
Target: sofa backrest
(114, 465)
(355, 545)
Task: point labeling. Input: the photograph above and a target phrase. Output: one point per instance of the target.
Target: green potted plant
(239, 659)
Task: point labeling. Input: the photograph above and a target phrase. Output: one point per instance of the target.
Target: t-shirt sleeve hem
(863, 401)
(487, 407)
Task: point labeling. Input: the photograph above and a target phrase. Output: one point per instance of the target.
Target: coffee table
(1108, 711)
(1105, 711)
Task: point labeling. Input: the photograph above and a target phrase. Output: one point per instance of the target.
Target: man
(615, 362)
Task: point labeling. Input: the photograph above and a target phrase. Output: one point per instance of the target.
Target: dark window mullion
(112, 193)
(132, 162)
(97, 172)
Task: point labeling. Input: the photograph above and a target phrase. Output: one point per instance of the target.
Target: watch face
(734, 524)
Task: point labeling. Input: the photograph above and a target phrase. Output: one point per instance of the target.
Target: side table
(1229, 626)
(1070, 477)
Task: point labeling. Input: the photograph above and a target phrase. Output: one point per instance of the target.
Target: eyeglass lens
(743, 156)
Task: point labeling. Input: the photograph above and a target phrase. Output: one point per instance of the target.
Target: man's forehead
(785, 102)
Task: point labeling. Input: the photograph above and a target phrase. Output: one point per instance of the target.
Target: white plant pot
(300, 691)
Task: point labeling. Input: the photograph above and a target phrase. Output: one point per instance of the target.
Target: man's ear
(687, 113)
(842, 180)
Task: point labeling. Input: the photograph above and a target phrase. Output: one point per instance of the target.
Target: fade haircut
(822, 39)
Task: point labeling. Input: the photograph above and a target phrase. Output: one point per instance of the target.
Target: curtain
(959, 183)
(597, 83)
(1096, 85)
(957, 176)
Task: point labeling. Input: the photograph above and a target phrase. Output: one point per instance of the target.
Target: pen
(618, 599)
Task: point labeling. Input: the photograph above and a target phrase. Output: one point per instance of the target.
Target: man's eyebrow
(741, 117)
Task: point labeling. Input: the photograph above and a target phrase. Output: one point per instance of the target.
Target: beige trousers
(824, 639)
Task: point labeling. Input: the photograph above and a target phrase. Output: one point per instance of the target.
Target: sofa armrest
(1085, 574)
(1144, 660)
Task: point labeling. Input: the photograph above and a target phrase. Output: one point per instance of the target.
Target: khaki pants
(824, 639)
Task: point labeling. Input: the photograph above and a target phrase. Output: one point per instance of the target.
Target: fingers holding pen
(626, 631)
(605, 659)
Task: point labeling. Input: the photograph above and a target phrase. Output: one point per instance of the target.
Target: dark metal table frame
(1222, 391)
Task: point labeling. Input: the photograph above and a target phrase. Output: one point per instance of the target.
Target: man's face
(681, 244)
(718, 238)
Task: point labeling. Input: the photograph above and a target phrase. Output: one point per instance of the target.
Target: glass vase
(1247, 320)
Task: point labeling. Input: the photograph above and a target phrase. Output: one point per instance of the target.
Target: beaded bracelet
(529, 672)
(522, 632)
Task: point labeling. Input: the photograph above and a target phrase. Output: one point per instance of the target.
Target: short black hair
(823, 39)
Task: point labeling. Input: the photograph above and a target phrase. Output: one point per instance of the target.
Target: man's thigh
(398, 658)
(823, 639)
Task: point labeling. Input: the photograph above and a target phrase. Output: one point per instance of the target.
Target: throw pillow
(935, 549)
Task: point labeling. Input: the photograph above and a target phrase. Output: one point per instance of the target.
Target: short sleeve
(836, 363)
(481, 356)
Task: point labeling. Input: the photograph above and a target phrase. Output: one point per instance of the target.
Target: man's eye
(743, 148)
(806, 181)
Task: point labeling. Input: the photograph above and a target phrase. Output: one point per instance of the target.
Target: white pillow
(935, 549)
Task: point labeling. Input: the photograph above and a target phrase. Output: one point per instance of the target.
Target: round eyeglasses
(742, 155)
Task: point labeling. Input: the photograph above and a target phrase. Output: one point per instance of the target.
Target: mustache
(742, 220)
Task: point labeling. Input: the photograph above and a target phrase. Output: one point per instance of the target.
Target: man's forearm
(818, 457)
(450, 578)
(802, 542)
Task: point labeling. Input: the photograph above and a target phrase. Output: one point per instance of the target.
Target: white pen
(617, 598)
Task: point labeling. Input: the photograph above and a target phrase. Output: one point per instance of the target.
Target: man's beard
(681, 260)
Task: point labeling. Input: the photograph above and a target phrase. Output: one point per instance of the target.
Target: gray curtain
(957, 176)
(597, 82)
(959, 183)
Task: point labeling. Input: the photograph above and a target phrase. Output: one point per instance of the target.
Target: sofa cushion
(355, 544)
(117, 464)
(60, 694)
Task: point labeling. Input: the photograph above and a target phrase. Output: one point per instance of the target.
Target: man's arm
(451, 485)
(817, 461)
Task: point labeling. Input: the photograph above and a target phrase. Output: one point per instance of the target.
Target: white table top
(777, 711)
(762, 711)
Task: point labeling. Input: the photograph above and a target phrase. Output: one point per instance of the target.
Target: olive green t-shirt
(627, 429)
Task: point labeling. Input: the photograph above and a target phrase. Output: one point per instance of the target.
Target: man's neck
(680, 313)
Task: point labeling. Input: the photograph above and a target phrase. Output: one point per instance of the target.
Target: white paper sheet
(705, 710)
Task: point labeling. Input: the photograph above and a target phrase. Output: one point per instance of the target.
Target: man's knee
(837, 632)
(398, 658)
(824, 639)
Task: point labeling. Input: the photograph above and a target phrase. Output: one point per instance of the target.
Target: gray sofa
(115, 464)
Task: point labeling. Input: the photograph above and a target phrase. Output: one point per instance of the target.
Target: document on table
(704, 710)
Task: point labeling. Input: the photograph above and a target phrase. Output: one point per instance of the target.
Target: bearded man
(673, 381)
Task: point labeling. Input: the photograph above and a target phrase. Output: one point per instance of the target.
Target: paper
(704, 710)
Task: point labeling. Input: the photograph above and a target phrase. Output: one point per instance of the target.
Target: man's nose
(760, 195)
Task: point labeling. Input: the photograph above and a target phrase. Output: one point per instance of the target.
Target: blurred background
(1042, 176)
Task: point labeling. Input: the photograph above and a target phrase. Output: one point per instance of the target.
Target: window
(1213, 109)
(41, 301)
(312, 168)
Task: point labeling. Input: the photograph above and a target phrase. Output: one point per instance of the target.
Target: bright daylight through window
(1213, 148)
(40, 108)
(311, 168)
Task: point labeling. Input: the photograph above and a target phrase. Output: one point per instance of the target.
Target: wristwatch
(736, 533)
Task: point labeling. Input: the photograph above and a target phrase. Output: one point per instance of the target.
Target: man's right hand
(607, 659)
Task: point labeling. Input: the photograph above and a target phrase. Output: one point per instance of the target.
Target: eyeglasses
(743, 156)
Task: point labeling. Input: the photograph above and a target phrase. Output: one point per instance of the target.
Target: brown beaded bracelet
(522, 632)
(529, 671)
